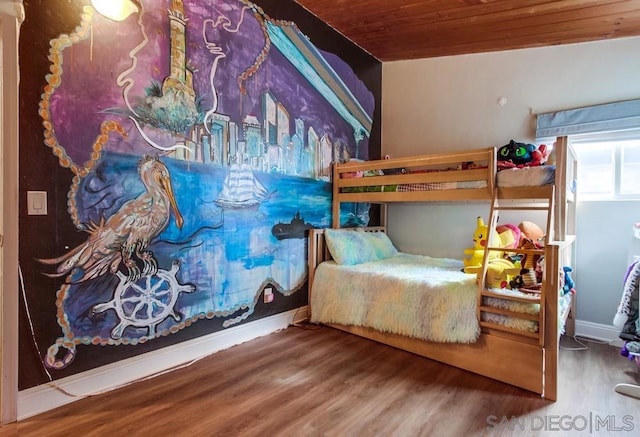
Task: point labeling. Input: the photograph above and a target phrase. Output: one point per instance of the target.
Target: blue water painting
(227, 255)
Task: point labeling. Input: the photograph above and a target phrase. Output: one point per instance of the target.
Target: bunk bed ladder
(515, 199)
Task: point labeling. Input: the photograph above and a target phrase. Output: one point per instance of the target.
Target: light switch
(36, 202)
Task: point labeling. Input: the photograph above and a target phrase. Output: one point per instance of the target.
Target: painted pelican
(124, 237)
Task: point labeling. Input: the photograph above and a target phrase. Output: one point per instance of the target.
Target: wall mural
(200, 135)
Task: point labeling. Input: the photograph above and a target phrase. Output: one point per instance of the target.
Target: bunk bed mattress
(415, 296)
(526, 176)
(411, 295)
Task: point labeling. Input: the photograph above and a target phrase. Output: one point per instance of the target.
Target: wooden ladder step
(489, 309)
(524, 299)
(511, 336)
(517, 250)
(521, 208)
(497, 327)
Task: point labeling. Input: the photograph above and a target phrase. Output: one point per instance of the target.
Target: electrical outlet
(268, 295)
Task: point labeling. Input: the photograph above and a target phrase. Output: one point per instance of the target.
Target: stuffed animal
(480, 241)
(539, 156)
(516, 283)
(509, 235)
(530, 276)
(529, 262)
(517, 154)
(569, 285)
(531, 231)
(540, 268)
(499, 273)
(631, 350)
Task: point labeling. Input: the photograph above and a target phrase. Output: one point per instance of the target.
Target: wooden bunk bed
(527, 360)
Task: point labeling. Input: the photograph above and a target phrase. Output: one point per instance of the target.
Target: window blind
(591, 119)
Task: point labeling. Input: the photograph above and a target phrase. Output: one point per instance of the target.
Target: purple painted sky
(92, 66)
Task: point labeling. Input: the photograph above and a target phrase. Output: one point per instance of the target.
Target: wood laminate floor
(324, 382)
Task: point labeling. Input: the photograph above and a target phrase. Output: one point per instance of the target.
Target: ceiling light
(116, 10)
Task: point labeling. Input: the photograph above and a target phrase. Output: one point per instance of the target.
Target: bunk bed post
(383, 214)
(551, 218)
(335, 178)
(317, 252)
(312, 262)
(492, 219)
(571, 206)
(570, 323)
(553, 265)
(493, 170)
(560, 218)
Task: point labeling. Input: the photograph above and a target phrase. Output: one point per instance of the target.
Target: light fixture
(116, 10)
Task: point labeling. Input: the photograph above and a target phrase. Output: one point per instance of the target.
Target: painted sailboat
(241, 189)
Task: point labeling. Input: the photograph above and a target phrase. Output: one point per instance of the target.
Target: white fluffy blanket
(411, 295)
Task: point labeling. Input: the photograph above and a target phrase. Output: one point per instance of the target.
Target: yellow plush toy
(480, 241)
(499, 273)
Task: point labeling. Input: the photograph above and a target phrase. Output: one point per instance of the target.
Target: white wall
(603, 256)
(450, 103)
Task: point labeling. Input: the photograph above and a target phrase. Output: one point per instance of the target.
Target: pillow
(381, 244)
(350, 247)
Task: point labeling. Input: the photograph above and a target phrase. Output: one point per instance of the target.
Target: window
(630, 168)
(608, 167)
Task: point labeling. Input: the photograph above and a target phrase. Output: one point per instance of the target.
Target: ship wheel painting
(199, 161)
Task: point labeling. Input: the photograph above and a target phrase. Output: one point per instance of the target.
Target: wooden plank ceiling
(409, 29)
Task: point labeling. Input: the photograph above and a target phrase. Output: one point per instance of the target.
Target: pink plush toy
(509, 235)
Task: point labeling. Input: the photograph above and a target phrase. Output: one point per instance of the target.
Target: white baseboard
(48, 396)
(598, 331)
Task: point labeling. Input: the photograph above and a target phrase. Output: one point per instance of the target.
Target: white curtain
(13, 8)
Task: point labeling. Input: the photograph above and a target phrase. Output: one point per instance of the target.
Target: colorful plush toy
(631, 350)
(499, 273)
(531, 231)
(569, 285)
(540, 268)
(529, 262)
(480, 241)
(516, 283)
(509, 236)
(521, 155)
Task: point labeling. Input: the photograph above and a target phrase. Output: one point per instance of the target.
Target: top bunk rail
(470, 175)
(454, 158)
